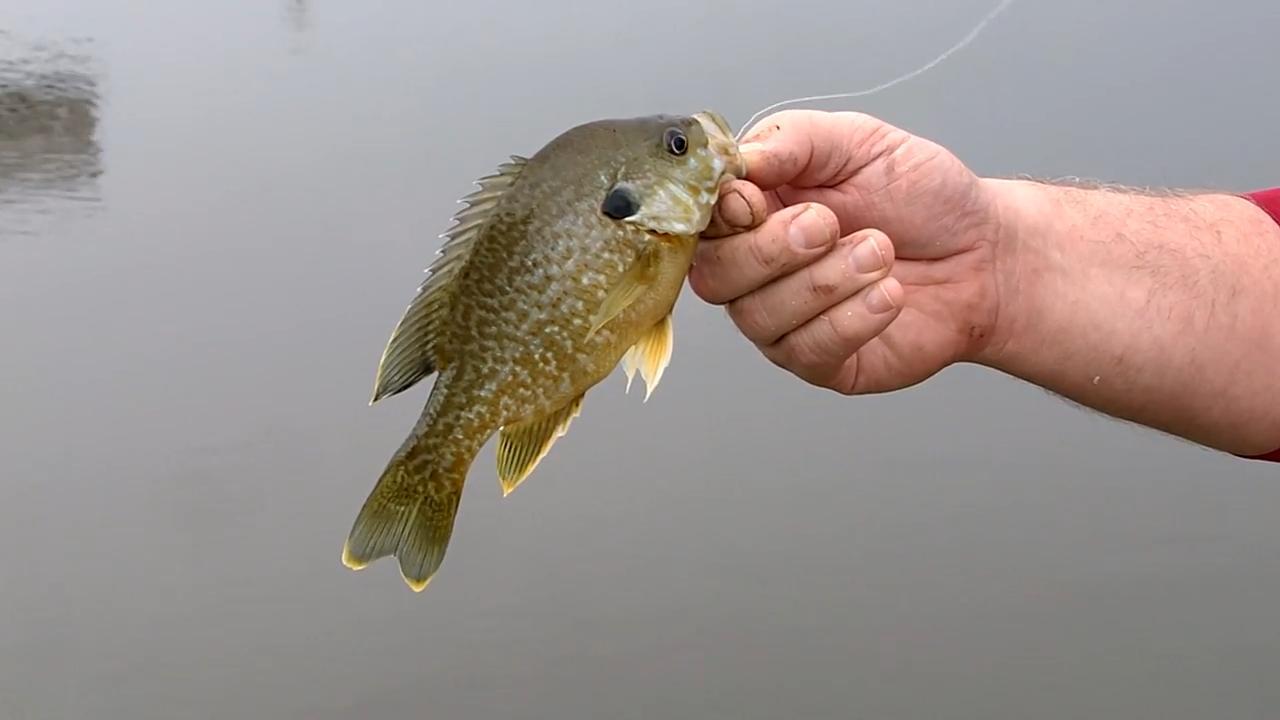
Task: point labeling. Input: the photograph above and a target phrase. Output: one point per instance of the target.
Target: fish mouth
(720, 140)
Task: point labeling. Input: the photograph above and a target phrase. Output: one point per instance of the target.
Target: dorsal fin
(411, 353)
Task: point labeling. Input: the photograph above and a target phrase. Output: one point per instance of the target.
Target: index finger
(812, 148)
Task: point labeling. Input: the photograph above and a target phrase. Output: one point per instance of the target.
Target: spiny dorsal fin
(523, 445)
(411, 353)
(650, 355)
(637, 278)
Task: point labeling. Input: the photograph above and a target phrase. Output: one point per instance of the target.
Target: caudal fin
(409, 514)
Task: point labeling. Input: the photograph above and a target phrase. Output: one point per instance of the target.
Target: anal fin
(650, 355)
(523, 445)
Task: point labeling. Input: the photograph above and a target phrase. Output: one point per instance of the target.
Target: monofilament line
(1000, 7)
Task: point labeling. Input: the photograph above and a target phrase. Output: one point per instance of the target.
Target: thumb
(813, 148)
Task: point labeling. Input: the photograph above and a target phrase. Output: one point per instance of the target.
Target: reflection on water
(49, 153)
(298, 19)
(296, 10)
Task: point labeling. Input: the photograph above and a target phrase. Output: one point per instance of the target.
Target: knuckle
(714, 271)
(828, 278)
(845, 330)
(783, 354)
(764, 250)
(854, 117)
(845, 389)
(854, 123)
(830, 339)
(702, 281)
(790, 354)
(751, 317)
(801, 354)
(820, 282)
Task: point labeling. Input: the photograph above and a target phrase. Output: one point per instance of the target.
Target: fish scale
(563, 265)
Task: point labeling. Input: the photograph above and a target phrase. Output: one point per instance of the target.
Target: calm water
(212, 213)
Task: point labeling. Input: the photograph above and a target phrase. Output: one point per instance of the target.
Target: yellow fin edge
(523, 445)
(650, 355)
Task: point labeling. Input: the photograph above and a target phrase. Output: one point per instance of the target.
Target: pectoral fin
(650, 355)
(523, 445)
(637, 279)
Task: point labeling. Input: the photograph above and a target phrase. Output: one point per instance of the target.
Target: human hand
(855, 255)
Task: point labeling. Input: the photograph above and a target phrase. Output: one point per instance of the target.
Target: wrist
(1024, 220)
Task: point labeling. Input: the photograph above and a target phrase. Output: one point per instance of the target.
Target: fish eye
(676, 142)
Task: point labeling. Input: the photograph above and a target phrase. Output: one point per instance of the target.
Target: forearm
(1162, 310)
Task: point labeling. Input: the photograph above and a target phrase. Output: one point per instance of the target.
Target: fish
(562, 266)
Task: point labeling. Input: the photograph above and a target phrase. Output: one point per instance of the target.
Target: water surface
(217, 211)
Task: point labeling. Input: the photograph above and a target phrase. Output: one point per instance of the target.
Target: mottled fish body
(561, 266)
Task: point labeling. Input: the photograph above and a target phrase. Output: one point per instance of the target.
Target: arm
(1161, 310)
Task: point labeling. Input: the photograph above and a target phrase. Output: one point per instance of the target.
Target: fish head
(668, 171)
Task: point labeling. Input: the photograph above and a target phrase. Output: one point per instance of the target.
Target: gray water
(198, 275)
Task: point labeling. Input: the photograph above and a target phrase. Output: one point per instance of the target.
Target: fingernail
(749, 155)
(735, 211)
(878, 300)
(867, 257)
(808, 231)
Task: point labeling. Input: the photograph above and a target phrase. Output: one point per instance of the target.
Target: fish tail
(409, 514)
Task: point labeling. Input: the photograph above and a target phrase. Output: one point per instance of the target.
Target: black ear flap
(621, 202)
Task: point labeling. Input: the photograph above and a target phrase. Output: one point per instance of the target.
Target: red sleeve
(1268, 200)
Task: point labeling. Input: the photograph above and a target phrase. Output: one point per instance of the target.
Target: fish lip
(714, 123)
(721, 141)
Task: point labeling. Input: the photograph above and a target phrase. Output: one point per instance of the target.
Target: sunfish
(561, 266)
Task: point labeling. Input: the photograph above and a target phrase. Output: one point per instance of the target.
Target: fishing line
(1000, 7)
